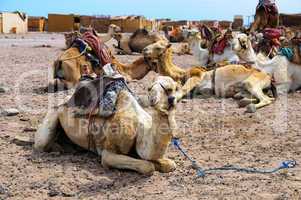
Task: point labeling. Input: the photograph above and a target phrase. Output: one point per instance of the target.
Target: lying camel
(130, 130)
(136, 42)
(113, 29)
(160, 54)
(287, 75)
(225, 81)
(224, 78)
(203, 55)
(71, 65)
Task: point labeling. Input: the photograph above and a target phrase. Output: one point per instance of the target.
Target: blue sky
(175, 9)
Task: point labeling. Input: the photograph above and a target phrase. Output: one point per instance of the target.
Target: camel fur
(136, 42)
(130, 130)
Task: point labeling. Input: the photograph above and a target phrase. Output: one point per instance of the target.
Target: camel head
(161, 94)
(241, 43)
(154, 52)
(113, 29)
(194, 37)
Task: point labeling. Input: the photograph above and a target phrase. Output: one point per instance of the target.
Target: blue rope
(287, 52)
(202, 172)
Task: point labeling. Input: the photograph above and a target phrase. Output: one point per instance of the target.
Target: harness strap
(213, 80)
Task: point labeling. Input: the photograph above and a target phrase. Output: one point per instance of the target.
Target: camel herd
(137, 136)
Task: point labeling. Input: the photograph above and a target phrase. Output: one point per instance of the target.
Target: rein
(75, 57)
(201, 173)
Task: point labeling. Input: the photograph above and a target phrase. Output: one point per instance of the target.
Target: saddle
(219, 46)
(88, 92)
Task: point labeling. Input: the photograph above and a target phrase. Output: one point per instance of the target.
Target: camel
(221, 81)
(136, 42)
(132, 138)
(203, 56)
(160, 54)
(287, 75)
(266, 16)
(71, 66)
(227, 80)
(70, 37)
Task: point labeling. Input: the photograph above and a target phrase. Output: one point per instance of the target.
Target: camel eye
(169, 90)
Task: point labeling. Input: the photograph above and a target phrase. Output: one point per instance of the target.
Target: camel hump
(141, 31)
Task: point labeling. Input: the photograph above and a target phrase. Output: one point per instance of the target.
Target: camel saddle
(219, 46)
(88, 93)
(100, 54)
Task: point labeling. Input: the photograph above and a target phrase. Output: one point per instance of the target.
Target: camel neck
(135, 71)
(106, 37)
(168, 68)
(157, 140)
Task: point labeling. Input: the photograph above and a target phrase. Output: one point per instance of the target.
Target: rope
(74, 57)
(203, 172)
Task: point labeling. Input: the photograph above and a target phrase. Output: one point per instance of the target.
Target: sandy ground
(214, 131)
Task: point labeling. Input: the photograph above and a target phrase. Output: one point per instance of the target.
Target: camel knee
(46, 132)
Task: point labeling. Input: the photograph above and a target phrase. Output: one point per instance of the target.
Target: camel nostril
(171, 100)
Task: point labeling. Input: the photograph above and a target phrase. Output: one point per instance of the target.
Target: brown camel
(160, 54)
(71, 65)
(130, 139)
(136, 42)
(267, 16)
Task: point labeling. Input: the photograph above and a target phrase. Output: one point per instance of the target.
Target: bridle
(241, 44)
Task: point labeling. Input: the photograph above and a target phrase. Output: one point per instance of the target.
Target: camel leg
(258, 93)
(59, 85)
(165, 165)
(46, 133)
(188, 87)
(113, 160)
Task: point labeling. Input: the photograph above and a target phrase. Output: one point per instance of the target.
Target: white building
(13, 22)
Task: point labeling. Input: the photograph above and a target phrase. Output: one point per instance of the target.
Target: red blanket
(100, 49)
(219, 47)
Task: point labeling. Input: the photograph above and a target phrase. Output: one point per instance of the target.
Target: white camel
(202, 55)
(287, 75)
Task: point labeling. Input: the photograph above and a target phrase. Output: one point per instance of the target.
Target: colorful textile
(99, 48)
(287, 52)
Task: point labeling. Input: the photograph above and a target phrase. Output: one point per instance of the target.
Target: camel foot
(251, 108)
(165, 165)
(245, 101)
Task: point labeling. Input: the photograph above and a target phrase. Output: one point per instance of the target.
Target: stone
(9, 112)
(23, 140)
(3, 89)
(251, 108)
(29, 129)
